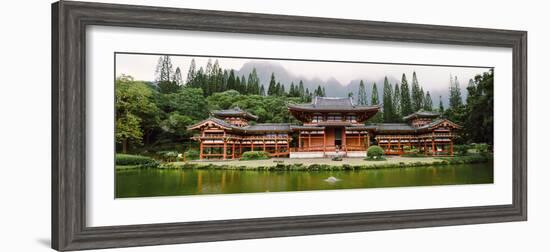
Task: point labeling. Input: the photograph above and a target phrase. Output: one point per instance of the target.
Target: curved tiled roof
(267, 127)
(421, 114)
(237, 112)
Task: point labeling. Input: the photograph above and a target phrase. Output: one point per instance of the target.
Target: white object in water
(331, 179)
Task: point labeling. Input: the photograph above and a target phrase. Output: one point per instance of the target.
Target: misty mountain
(332, 86)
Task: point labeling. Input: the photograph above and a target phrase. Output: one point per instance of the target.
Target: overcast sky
(142, 67)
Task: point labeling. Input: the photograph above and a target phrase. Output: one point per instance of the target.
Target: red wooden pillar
(452, 152)
(276, 147)
(299, 140)
(309, 140)
(233, 151)
(433, 146)
(324, 141)
(200, 156)
(224, 150)
(399, 145)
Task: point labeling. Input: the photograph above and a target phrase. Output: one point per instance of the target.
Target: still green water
(159, 182)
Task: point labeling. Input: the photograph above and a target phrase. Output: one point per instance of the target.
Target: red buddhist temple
(329, 127)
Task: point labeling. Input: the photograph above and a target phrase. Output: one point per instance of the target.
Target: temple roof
(392, 127)
(260, 128)
(267, 127)
(305, 127)
(215, 120)
(406, 128)
(234, 112)
(421, 114)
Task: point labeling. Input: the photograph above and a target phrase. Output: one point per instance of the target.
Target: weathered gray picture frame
(69, 21)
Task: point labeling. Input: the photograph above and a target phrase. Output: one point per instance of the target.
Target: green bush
(337, 158)
(413, 154)
(375, 152)
(481, 147)
(255, 155)
(142, 161)
(461, 149)
(192, 154)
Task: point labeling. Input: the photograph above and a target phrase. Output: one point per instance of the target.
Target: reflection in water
(157, 182)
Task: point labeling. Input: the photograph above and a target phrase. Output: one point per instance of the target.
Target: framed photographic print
(178, 125)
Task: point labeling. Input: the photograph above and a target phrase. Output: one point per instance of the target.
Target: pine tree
(396, 116)
(417, 95)
(387, 101)
(283, 92)
(177, 77)
(238, 84)
(190, 81)
(253, 85)
(301, 91)
(164, 71)
(324, 92)
(428, 105)
(441, 108)
(165, 76)
(262, 90)
(455, 98)
(231, 82)
(242, 86)
(272, 88)
(307, 96)
(406, 107)
(362, 94)
(374, 95)
(291, 91)
(423, 98)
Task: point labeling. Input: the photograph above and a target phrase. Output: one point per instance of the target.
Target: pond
(171, 182)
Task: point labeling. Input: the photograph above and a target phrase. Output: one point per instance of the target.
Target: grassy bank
(324, 164)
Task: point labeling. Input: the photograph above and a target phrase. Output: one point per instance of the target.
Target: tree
(478, 121)
(177, 77)
(164, 71)
(387, 101)
(406, 107)
(301, 91)
(242, 87)
(456, 111)
(417, 94)
(191, 74)
(262, 90)
(253, 85)
(231, 82)
(397, 115)
(362, 94)
(375, 101)
(374, 95)
(455, 98)
(428, 105)
(134, 107)
(350, 95)
(272, 88)
(441, 108)
(165, 76)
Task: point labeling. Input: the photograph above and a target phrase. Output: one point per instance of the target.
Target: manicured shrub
(136, 160)
(255, 155)
(192, 154)
(481, 147)
(413, 154)
(375, 152)
(461, 149)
